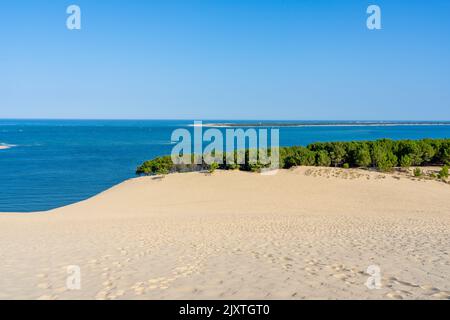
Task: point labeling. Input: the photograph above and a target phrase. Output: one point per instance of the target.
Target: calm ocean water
(59, 162)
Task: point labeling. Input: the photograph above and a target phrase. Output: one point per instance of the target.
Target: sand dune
(308, 233)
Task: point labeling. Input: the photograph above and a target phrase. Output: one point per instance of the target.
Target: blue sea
(53, 163)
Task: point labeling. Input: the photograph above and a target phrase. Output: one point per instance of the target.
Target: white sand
(307, 233)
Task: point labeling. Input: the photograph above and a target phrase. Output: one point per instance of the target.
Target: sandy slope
(307, 233)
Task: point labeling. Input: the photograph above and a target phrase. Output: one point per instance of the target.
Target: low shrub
(213, 167)
(417, 172)
(443, 174)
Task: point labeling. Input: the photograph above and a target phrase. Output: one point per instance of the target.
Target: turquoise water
(59, 162)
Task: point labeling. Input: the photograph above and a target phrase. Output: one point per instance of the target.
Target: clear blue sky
(235, 59)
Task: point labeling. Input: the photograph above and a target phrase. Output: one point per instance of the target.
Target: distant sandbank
(323, 124)
(304, 233)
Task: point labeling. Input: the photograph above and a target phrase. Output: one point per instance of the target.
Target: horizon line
(220, 119)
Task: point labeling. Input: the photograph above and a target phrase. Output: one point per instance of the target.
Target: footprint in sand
(47, 297)
(442, 295)
(44, 286)
(107, 283)
(429, 288)
(119, 293)
(394, 296)
(139, 288)
(61, 290)
(102, 295)
(341, 276)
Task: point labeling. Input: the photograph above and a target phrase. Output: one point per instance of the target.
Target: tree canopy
(382, 154)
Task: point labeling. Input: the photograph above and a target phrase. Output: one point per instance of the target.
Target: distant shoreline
(296, 121)
(4, 147)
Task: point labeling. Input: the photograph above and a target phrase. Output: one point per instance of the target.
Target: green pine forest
(383, 155)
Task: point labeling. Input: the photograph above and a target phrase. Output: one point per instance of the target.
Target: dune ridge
(305, 233)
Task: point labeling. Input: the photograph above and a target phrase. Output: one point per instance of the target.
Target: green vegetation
(158, 166)
(383, 155)
(323, 159)
(362, 157)
(213, 167)
(406, 161)
(418, 172)
(443, 174)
